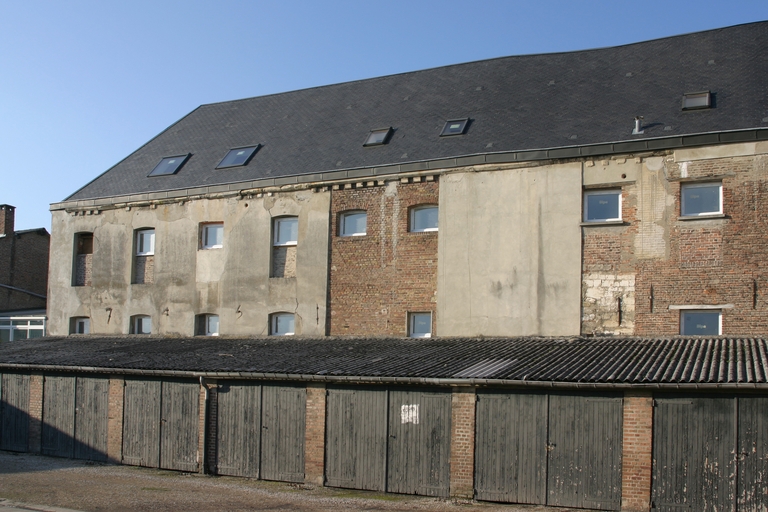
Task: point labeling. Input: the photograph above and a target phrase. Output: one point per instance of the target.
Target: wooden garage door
(14, 412)
(557, 449)
(141, 422)
(238, 431)
(283, 425)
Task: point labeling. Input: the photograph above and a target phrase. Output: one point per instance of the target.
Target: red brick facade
(23, 264)
(35, 412)
(115, 420)
(378, 278)
(314, 440)
(463, 443)
(636, 460)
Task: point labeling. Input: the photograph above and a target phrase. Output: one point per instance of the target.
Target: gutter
(423, 381)
(23, 291)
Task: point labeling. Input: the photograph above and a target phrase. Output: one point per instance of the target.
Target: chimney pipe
(638, 130)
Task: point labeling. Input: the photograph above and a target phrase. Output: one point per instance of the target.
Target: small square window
(207, 325)
(238, 156)
(80, 325)
(353, 223)
(701, 323)
(212, 236)
(454, 127)
(701, 199)
(602, 205)
(378, 137)
(282, 324)
(697, 100)
(286, 231)
(141, 324)
(420, 325)
(424, 218)
(145, 242)
(169, 165)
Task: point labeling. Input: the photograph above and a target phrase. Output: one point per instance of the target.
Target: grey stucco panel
(510, 252)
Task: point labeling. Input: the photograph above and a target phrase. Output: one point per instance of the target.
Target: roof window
(697, 100)
(378, 137)
(238, 156)
(169, 165)
(454, 127)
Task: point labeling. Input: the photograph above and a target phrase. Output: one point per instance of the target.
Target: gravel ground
(32, 482)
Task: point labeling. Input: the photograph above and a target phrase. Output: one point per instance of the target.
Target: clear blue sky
(85, 83)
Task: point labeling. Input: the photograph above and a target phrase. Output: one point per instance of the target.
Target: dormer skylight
(454, 127)
(237, 157)
(169, 165)
(697, 100)
(378, 136)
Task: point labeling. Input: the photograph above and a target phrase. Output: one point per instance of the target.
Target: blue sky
(85, 83)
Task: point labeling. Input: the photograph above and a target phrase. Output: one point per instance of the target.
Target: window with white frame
(285, 231)
(207, 325)
(80, 325)
(602, 205)
(701, 322)
(212, 235)
(353, 223)
(698, 199)
(282, 324)
(420, 325)
(145, 242)
(141, 324)
(14, 328)
(424, 218)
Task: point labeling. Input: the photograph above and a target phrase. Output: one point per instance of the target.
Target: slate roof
(598, 362)
(515, 104)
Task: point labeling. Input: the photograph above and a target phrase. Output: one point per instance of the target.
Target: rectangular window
(420, 325)
(602, 205)
(145, 242)
(21, 328)
(282, 324)
(701, 323)
(697, 100)
(285, 235)
(207, 325)
(212, 236)
(353, 223)
(286, 230)
(80, 325)
(141, 324)
(697, 199)
(424, 218)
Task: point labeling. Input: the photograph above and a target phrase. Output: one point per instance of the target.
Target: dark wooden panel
(356, 438)
(511, 447)
(238, 428)
(584, 465)
(180, 408)
(14, 412)
(58, 416)
(282, 432)
(141, 422)
(91, 418)
(753, 454)
(694, 445)
(419, 444)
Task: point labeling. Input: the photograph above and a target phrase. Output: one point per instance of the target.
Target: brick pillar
(314, 441)
(115, 419)
(463, 443)
(201, 425)
(35, 412)
(637, 455)
(7, 215)
(211, 457)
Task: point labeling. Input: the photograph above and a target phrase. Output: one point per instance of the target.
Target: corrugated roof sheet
(606, 361)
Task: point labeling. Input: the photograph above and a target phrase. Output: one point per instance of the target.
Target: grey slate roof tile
(605, 361)
(517, 103)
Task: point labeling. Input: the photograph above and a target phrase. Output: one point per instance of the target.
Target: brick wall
(115, 419)
(211, 454)
(314, 441)
(376, 279)
(144, 270)
(24, 265)
(637, 451)
(35, 412)
(463, 443)
(202, 410)
(7, 217)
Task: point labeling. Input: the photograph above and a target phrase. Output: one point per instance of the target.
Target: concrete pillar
(637, 454)
(35, 412)
(115, 419)
(463, 442)
(314, 441)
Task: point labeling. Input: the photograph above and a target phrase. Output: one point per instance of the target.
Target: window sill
(702, 217)
(604, 223)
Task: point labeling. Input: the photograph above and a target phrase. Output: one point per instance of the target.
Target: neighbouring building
(533, 279)
(23, 278)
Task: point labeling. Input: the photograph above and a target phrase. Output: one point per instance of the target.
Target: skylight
(454, 127)
(378, 137)
(697, 100)
(238, 156)
(169, 165)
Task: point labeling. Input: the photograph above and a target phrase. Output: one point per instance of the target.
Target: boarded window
(83, 259)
